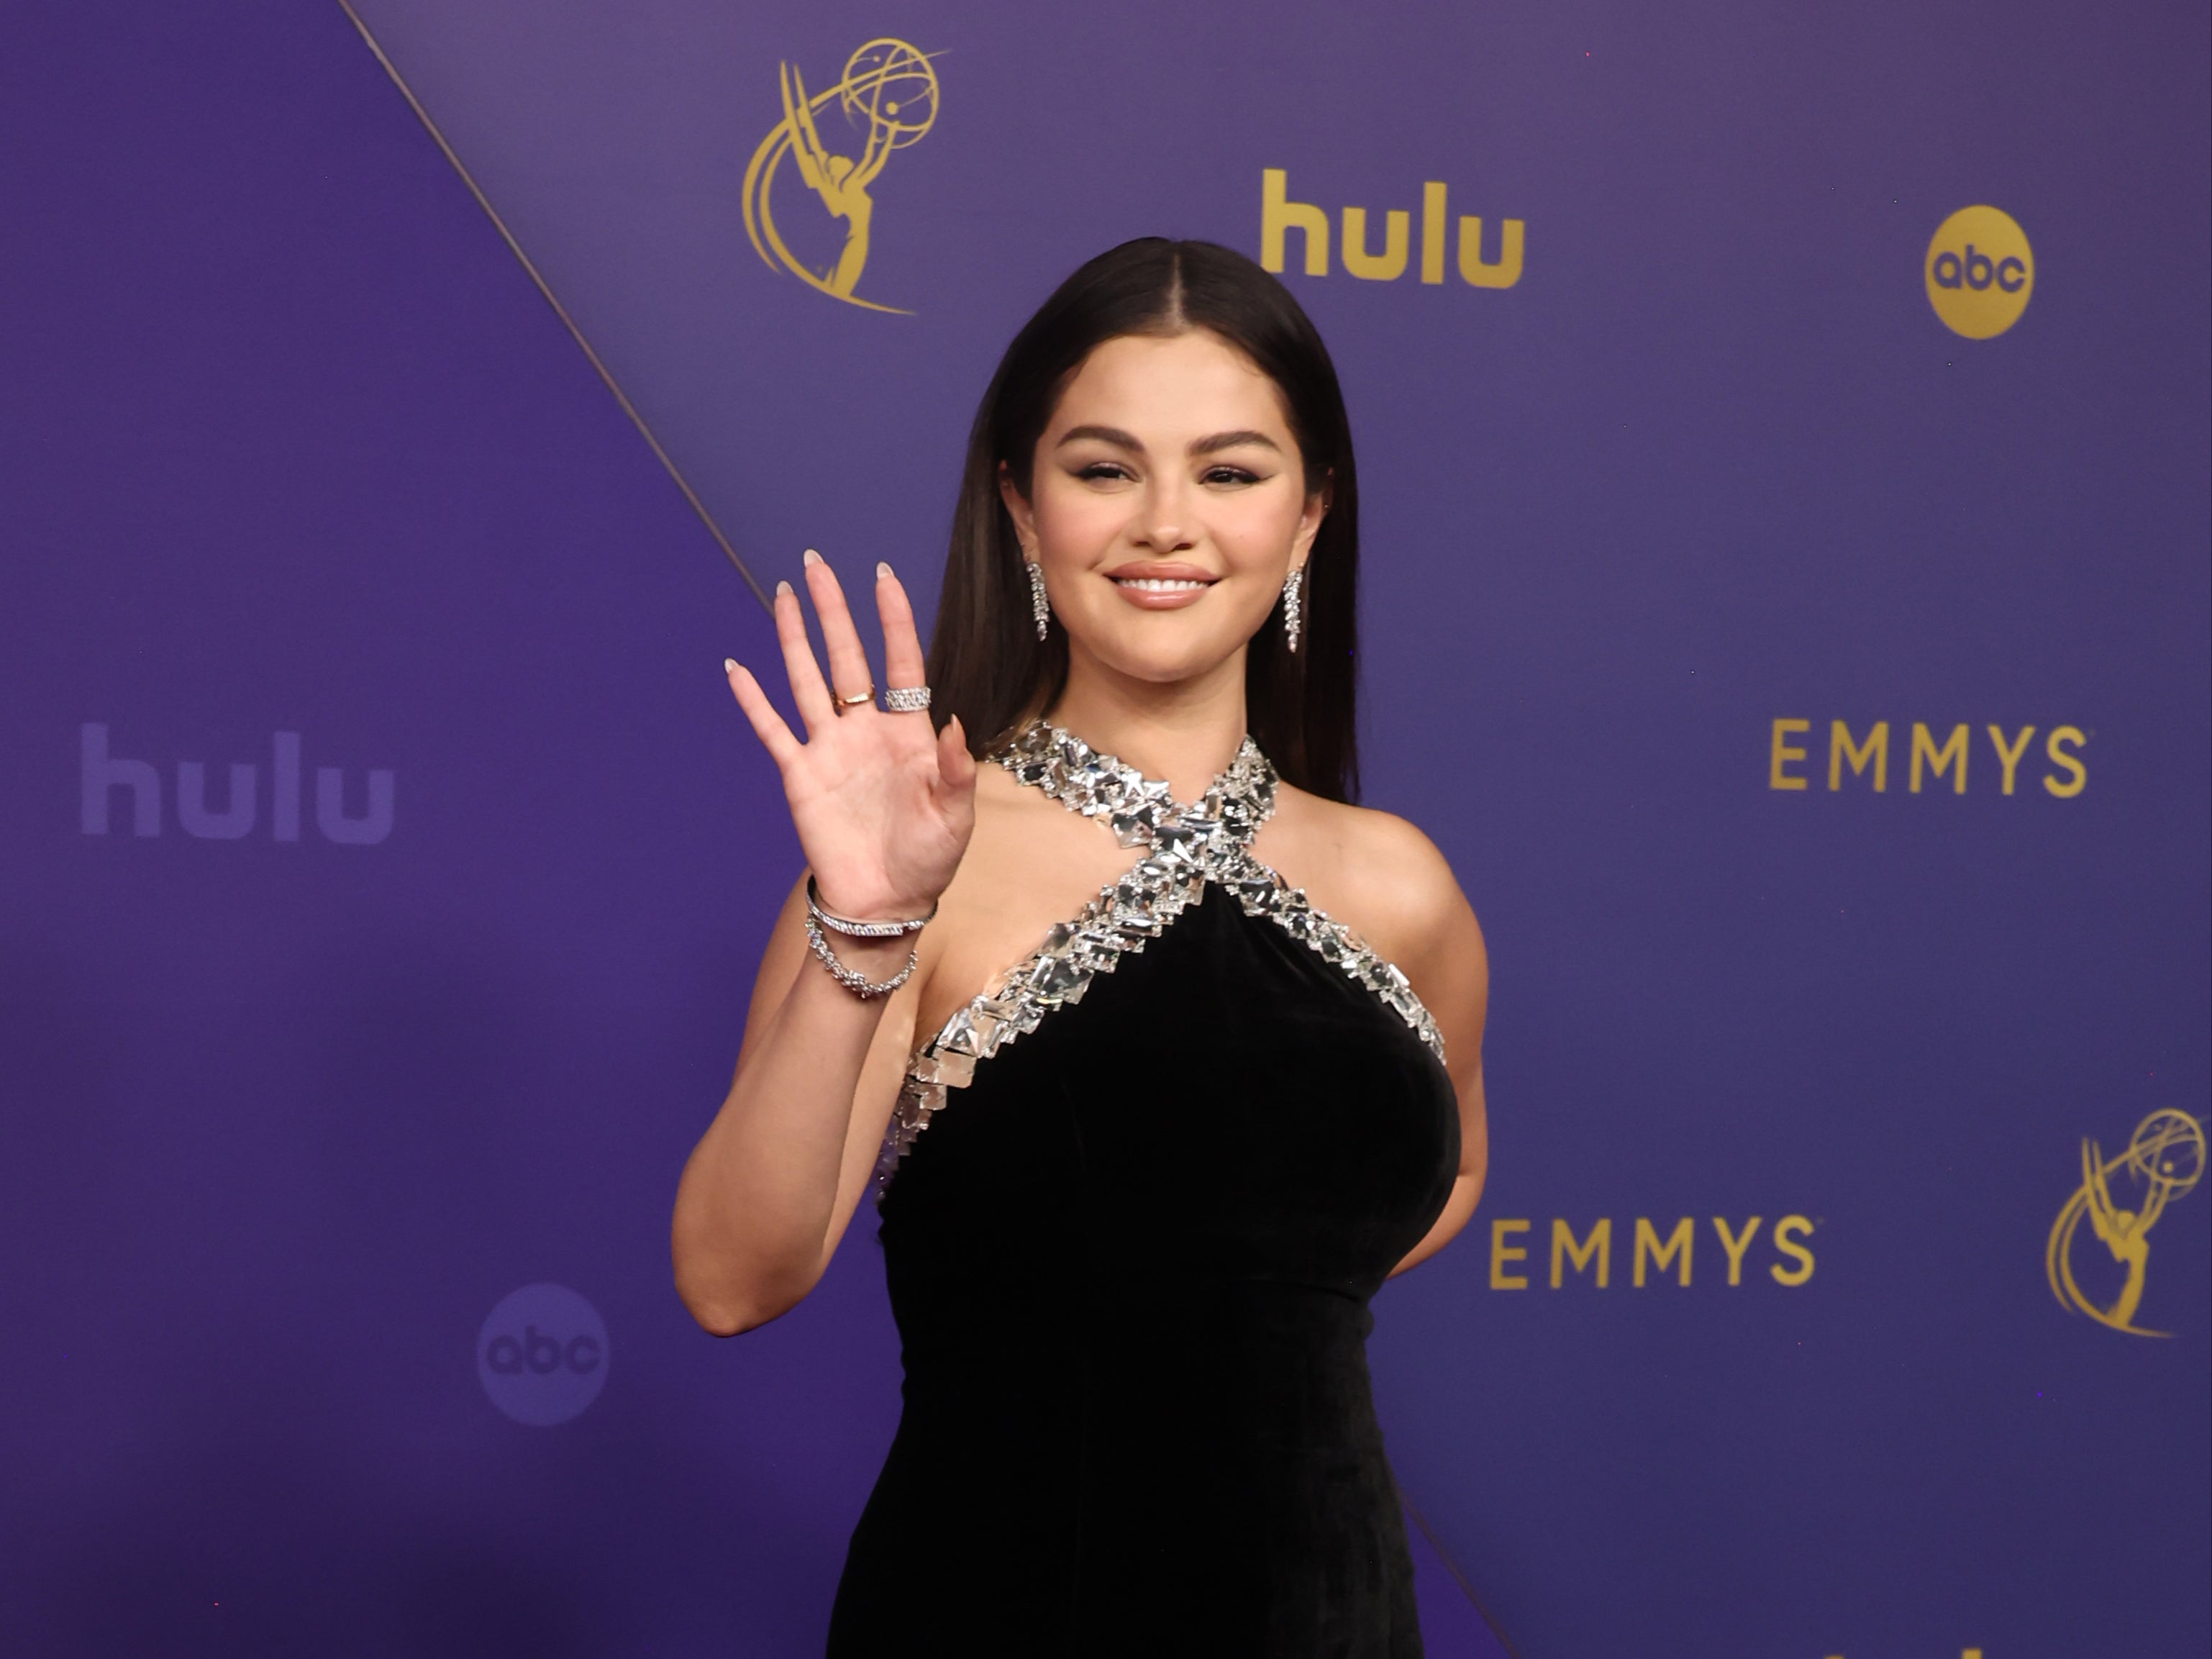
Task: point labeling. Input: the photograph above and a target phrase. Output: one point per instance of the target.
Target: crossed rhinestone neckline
(1209, 840)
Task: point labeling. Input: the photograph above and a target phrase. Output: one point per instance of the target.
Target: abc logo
(1979, 272)
(542, 1355)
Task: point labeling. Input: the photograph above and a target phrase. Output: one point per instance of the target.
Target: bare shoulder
(1372, 871)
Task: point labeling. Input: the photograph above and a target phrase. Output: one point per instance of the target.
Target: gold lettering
(2010, 758)
(1277, 215)
(1735, 1244)
(1923, 748)
(1662, 1255)
(2080, 780)
(1501, 1253)
(1780, 754)
(1433, 225)
(1507, 270)
(1599, 1244)
(1388, 266)
(1787, 1231)
(1876, 748)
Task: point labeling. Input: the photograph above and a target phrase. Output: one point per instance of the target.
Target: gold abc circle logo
(1980, 272)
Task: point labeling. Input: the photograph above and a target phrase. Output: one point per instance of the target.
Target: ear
(1317, 509)
(1020, 510)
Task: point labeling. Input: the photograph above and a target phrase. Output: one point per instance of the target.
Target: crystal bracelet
(852, 929)
(858, 984)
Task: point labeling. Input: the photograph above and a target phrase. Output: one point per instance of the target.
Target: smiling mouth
(1163, 584)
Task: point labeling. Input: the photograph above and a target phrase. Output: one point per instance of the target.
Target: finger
(956, 767)
(848, 658)
(808, 689)
(903, 660)
(768, 726)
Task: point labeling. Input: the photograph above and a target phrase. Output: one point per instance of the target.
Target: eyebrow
(1214, 445)
(1221, 441)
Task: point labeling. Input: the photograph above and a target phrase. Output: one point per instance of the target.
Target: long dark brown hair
(986, 664)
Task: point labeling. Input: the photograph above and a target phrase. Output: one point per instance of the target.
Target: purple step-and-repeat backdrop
(1785, 436)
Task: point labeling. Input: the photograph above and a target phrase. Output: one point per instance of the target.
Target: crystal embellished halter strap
(1189, 846)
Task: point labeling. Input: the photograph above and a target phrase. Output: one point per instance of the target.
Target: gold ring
(854, 701)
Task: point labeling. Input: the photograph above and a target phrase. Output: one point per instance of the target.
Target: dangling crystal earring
(1291, 590)
(1040, 607)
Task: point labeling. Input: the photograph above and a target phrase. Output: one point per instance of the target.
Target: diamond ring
(907, 699)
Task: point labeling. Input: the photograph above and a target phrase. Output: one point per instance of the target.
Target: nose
(1163, 525)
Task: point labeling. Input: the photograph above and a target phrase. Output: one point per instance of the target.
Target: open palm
(884, 804)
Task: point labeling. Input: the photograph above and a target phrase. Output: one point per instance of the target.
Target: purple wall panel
(294, 447)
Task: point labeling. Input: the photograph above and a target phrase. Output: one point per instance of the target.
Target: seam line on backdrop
(559, 310)
(1458, 1577)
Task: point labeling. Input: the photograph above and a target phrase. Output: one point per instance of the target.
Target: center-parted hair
(986, 662)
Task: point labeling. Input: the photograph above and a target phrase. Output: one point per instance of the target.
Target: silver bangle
(858, 984)
(852, 929)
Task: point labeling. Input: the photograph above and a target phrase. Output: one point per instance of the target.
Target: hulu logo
(1279, 215)
(105, 776)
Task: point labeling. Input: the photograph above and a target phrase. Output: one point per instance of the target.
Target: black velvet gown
(1169, 1159)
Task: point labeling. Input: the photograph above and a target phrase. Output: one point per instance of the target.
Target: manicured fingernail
(729, 664)
(883, 571)
(782, 590)
(811, 557)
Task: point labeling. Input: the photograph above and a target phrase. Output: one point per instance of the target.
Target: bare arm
(771, 1185)
(884, 807)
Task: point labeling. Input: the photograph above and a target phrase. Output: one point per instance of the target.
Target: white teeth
(1160, 584)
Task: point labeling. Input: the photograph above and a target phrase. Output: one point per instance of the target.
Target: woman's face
(1167, 505)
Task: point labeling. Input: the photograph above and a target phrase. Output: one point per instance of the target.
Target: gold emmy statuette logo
(2163, 1162)
(889, 90)
(1979, 272)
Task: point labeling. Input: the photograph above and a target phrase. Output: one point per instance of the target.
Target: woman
(1137, 1189)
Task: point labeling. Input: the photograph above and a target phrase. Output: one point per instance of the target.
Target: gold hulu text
(1280, 215)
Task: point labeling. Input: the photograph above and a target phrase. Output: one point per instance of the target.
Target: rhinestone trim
(1190, 846)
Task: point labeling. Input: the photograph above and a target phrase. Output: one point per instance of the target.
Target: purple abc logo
(1976, 269)
(542, 1355)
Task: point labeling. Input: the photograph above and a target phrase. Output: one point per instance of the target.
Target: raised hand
(883, 804)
